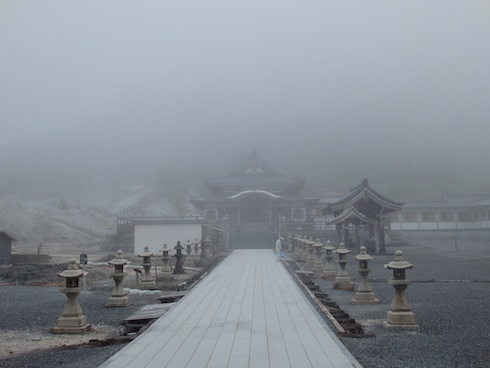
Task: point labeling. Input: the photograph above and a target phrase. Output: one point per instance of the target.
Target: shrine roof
(350, 215)
(363, 193)
(255, 174)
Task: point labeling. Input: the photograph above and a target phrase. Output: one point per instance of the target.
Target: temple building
(362, 208)
(254, 203)
(255, 198)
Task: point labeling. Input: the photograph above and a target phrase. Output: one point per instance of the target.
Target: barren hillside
(80, 219)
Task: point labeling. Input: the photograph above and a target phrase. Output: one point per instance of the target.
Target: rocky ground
(83, 218)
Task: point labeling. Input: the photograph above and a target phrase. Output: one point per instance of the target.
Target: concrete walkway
(248, 312)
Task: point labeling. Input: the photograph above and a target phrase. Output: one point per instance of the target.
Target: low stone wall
(18, 259)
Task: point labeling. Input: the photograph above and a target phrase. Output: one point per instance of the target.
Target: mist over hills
(164, 95)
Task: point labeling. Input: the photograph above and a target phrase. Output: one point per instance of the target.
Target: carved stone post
(400, 313)
(118, 298)
(328, 271)
(189, 260)
(342, 280)
(310, 260)
(290, 243)
(72, 320)
(179, 269)
(166, 272)
(318, 266)
(364, 294)
(197, 257)
(147, 281)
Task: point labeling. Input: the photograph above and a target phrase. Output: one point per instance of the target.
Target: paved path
(248, 312)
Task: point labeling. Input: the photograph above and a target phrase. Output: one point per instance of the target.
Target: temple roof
(365, 200)
(254, 174)
(352, 216)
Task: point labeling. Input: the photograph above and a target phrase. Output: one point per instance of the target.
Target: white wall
(154, 236)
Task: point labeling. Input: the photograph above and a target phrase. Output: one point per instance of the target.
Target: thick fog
(398, 91)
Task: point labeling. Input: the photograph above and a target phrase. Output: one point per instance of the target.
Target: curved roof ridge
(363, 190)
(349, 213)
(254, 191)
(254, 164)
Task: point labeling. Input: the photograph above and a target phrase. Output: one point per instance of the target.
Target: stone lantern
(197, 257)
(147, 281)
(166, 272)
(310, 260)
(189, 260)
(342, 280)
(400, 312)
(328, 271)
(296, 246)
(178, 269)
(207, 250)
(304, 249)
(318, 265)
(364, 294)
(118, 298)
(290, 243)
(300, 248)
(72, 320)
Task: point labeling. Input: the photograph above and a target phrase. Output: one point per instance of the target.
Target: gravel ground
(29, 312)
(449, 295)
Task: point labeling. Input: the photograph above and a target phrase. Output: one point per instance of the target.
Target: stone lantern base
(147, 285)
(118, 301)
(165, 276)
(365, 298)
(343, 283)
(401, 318)
(71, 325)
(328, 274)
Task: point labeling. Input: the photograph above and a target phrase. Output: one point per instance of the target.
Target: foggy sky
(137, 89)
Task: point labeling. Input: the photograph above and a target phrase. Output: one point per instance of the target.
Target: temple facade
(255, 197)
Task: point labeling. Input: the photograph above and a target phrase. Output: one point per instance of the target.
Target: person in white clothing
(278, 248)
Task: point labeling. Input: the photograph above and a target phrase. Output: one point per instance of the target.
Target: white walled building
(452, 212)
(153, 232)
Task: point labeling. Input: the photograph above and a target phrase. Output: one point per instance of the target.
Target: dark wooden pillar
(371, 231)
(381, 237)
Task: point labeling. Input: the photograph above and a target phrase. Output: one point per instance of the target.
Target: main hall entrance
(255, 220)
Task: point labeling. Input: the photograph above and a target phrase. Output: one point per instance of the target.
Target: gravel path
(450, 295)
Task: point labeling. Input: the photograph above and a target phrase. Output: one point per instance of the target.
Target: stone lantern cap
(119, 260)
(73, 270)
(146, 253)
(329, 246)
(363, 256)
(398, 263)
(317, 244)
(342, 249)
